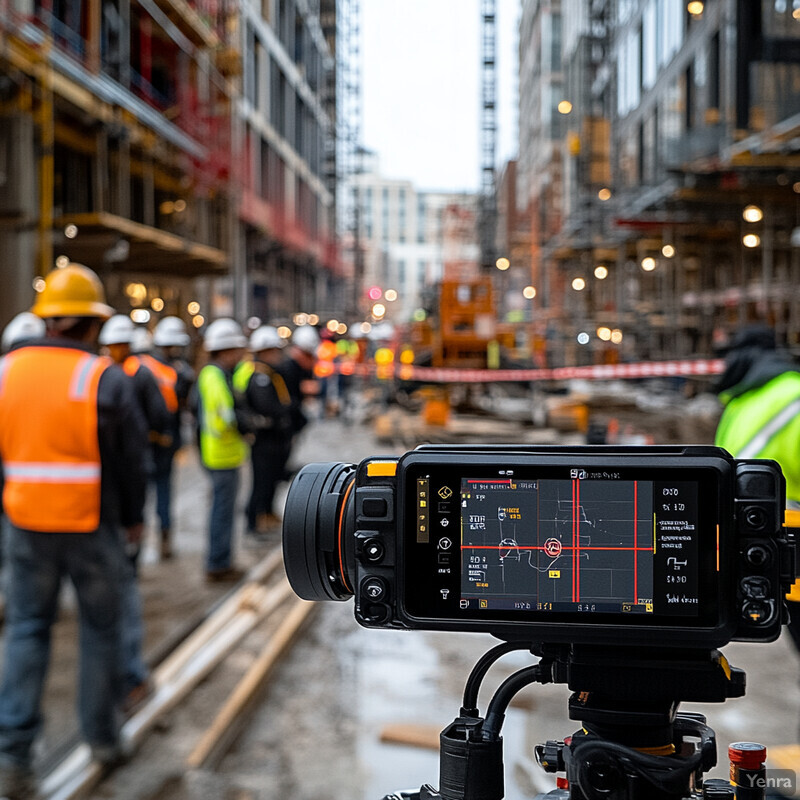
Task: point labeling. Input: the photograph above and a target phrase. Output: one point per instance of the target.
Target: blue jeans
(225, 483)
(36, 564)
(133, 669)
(162, 478)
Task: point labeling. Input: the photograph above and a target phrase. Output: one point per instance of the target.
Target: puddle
(405, 678)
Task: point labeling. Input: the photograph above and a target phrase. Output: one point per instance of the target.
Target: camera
(664, 546)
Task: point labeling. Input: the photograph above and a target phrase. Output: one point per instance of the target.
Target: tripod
(633, 744)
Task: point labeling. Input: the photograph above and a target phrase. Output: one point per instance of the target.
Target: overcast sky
(421, 79)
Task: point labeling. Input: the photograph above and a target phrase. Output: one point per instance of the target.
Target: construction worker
(264, 390)
(72, 448)
(175, 379)
(760, 389)
(24, 328)
(298, 372)
(142, 341)
(116, 336)
(222, 447)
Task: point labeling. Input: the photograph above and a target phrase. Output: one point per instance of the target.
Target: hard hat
(142, 340)
(24, 326)
(265, 338)
(118, 330)
(224, 334)
(306, 338)
(171, 332)
(72, 291)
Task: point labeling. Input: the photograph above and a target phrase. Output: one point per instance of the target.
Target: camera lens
(318, 532)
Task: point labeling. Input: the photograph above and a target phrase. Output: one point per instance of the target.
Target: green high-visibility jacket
(241, 376)
(765, 423)
(221, 444)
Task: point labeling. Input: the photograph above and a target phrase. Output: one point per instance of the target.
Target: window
(251, 67)
(555, 43)
(402, 213)
(714, 73)
(629, 72)
(671, 24)
(649, 46)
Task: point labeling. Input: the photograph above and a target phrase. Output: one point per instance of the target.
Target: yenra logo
(783, 780)
(578, 474)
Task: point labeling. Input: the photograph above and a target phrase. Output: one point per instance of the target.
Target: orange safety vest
(166, 377)
(48, 438)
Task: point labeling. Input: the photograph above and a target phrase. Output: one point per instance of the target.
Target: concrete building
(162, 142)
(408, 236)
(683, 117)
(287, 259)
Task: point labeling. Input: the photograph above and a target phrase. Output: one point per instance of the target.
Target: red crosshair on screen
(552, 547)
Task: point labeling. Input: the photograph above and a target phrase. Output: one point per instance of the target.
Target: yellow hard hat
(72, 291)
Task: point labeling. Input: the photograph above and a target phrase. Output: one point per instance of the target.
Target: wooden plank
(784, 757)
(412, 735)
(77, 774)
(240, 598)
(232, 716)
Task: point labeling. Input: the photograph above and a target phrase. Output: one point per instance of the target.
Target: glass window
(714, 72)
(671, 25)
(555, 43)
(421, 214)
(629, 72)
(649, 46)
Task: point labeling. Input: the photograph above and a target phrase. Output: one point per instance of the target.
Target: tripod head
(633, 744)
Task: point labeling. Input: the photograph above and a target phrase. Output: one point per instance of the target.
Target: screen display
(509, 544)
(578, 545)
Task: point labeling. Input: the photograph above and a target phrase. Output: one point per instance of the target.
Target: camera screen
(563, 544)
(579, 545)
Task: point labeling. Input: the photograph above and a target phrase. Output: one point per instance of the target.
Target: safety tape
(644, 369)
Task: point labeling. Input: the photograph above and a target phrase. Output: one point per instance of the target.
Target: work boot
(16, 782)
(224, 575)
(108, 756)
(166, 544)
(268, 522)
(137, 695)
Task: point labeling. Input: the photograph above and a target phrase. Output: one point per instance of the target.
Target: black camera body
(655, 546)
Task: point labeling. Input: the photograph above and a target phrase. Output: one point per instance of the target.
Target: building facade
(680, 178)
(407, 237)
(288, 259)
(177, 148)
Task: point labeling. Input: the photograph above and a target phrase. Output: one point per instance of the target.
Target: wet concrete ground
(316, 735)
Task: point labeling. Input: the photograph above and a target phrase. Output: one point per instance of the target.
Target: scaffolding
(488, 199)
(350, 151)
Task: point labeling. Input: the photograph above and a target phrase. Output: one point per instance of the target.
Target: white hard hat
(24, 326)
(306, 339)
(171, 332)
(265, 338)
(142, 340)
(118, 330)
(224, 334)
